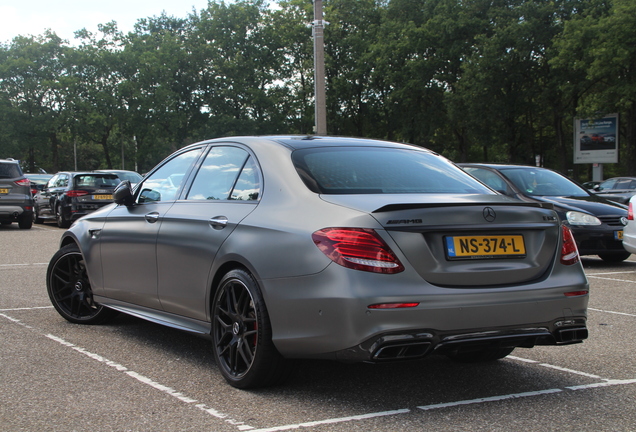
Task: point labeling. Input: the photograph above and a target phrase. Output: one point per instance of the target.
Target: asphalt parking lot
(132, 375)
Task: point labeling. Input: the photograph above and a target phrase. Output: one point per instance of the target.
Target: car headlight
(579, 218)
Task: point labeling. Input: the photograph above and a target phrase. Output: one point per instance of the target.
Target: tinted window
(346, 170)
(10, 170)
(164, 183)
(218, 174)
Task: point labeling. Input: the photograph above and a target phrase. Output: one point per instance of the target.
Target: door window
(164, 184)
(226, 173)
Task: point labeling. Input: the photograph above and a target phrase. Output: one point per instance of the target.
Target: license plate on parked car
(102, 197)
(618, 235)
(484, 247)
(4, 191)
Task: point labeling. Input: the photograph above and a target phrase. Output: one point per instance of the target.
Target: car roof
(501, 166)
(295, 142)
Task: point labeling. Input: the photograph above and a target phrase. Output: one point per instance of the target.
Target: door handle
(218, 222)
(152, 217)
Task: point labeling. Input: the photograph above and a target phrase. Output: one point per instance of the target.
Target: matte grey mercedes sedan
(281, 248)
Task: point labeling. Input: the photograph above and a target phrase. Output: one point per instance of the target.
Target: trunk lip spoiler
(414, 206)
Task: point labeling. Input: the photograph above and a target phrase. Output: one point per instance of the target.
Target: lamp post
(319, 70)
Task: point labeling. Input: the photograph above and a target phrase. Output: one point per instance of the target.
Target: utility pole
(319, 70)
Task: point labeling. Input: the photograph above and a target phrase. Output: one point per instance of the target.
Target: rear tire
(614, 257)
(36, 216)
(242, 334)
(70, 290)
(25, 221)
(480, 356)
(61, 220)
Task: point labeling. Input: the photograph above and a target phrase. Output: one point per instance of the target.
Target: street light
(319, 70)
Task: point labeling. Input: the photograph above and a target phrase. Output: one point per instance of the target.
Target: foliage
(476, 80)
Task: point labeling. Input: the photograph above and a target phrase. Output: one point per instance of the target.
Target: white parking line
(29, 308)
(611, 279)
(241, 426)
(22, 265)
(332, 421)
(612, 312)
(611, 273)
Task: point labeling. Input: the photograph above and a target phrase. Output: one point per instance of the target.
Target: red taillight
(76, 193)
(23, 182)
(357, 248)
(569, 251)
(34, 191)
(393, 305)
(575, 293)
(630, 212)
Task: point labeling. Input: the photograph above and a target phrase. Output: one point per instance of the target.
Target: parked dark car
(597, 223)
(619, 189)
(16, 201)
(280, 248)
(71, 195)
(38, 181)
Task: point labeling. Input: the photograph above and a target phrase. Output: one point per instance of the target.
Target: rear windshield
(96, 181)
(10, 170)
(372, 170)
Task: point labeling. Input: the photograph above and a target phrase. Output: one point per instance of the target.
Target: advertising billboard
(596, 141)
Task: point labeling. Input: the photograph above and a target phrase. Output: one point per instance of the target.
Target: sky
(64, 17)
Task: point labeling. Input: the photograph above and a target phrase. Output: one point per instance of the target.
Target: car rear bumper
(327, 315)
(15, 212)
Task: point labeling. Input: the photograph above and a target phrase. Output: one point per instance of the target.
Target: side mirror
(123, 194)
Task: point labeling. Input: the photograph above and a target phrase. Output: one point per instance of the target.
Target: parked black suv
(71, 195)
(16, 202)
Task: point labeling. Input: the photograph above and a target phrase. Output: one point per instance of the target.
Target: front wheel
(242, 334)
(614, 257)
(70, 290)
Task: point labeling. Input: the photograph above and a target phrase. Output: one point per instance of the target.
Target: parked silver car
(629, 233)
(315, 247)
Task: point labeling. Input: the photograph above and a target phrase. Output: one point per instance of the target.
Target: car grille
(612, 220)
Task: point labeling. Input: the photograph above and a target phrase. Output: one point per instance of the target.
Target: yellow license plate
(484, 247)
(103, 197)
(4, 191)
(618, 235)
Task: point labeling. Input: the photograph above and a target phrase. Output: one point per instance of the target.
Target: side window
(218, 174)
(51, 183)
(164, 183)
(248, 185)
(62, 181)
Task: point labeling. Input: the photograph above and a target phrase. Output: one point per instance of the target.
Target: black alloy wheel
(70, 290)
(242, 334)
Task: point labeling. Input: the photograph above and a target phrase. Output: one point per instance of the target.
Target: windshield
(543, 182)
(348, 170)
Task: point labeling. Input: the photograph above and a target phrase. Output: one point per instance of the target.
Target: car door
(48, 197)
(224, 191)
(129, 237)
